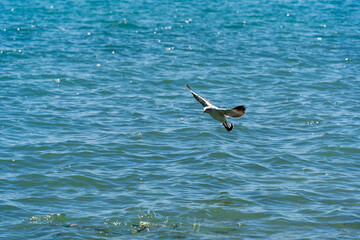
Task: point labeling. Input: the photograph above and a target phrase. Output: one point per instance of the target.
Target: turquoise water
(101, 140)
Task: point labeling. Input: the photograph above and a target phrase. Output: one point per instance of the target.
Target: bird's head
(207, 110)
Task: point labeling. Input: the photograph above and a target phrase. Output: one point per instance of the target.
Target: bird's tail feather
(228, 125)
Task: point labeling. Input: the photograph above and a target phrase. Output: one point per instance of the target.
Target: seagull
(219, 114)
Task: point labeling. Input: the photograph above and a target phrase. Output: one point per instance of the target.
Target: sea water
(100, 139)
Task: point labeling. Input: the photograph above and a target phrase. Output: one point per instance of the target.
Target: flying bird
(219, 114)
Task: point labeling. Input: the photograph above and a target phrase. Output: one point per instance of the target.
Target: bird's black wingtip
(229, 128)
(187, 86)
(240, 108)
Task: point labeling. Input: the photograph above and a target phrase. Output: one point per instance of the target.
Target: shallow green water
(80, 80)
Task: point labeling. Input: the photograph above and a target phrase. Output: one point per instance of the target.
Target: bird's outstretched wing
(236, 112)
(201, 100)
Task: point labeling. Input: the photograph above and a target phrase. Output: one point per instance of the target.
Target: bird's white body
(219, 114)
(213, 111)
